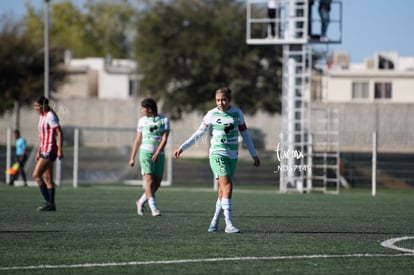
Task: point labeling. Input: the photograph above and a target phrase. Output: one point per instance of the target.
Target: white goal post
(125, 141)
(77, 148)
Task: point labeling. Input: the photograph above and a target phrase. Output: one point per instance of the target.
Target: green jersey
(225, 131)
(225, 127)
(152, 129)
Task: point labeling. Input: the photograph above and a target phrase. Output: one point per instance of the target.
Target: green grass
(98, 225)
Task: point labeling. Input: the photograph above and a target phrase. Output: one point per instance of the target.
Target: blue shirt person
(21, 157)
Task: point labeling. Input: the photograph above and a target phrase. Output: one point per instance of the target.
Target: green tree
(22, 66)
(101, 28)
(187, 49)
(109, 26)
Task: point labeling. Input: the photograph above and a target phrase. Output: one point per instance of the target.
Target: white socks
(143, 199)
(227, 208)
(217, 212)
(152, 204)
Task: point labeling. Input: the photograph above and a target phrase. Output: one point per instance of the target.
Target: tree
(109, 26)
(22, 66)
(101, 28)
(187, 49)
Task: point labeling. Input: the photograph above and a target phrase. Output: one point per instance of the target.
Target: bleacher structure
(309, 140)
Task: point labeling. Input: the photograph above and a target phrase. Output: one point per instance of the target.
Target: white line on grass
(299, 257)
(391, 244)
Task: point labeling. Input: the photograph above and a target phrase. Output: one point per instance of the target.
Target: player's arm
(59, 135)
(135, 147)
(249, 143)
(38, 153)
(161, 146)
(191, 140)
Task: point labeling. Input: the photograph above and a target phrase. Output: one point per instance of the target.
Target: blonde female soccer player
(226, 122)
(151, 138)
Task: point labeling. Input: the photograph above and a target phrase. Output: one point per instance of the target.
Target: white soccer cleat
(156, 212)
(212, 227)
(231, 229)
(140, 208)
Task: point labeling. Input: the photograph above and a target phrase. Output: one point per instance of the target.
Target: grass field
(96, 231)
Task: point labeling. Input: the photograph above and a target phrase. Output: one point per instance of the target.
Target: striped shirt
(152, 129)
(48, 123)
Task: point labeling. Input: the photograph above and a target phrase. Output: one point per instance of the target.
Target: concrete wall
(93, 113)
(357, 122)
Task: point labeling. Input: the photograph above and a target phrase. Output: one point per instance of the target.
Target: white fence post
(8, 153)
(75, 157)
(58, 174)
(374, 163)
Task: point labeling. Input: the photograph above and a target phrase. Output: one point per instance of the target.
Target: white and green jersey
(225, 131)
(225, 127)
(152, 129)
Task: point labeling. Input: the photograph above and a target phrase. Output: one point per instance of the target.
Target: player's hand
(177, 153)
(154, 157)
(256, 161)
(131, 163)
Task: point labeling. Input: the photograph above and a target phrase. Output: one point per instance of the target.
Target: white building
(385, 77)
(98, 77)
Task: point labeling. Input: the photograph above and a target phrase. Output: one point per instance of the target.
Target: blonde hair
(226, 91)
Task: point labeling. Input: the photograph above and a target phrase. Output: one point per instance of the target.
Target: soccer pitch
(96, 231)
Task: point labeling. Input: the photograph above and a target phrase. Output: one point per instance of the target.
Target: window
(383, 90)
(360, 90)
(131, 87)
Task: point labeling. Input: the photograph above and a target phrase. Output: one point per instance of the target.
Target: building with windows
(384, 77)
(102, 78)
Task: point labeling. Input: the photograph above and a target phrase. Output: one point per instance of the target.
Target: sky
(369, 26)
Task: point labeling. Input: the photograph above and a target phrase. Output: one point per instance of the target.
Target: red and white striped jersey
(48, 123)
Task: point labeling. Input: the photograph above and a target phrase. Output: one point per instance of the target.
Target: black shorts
(48, 156)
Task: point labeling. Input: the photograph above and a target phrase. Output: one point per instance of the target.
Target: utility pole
(46, 47)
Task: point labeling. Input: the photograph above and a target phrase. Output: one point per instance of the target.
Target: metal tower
(292, 24)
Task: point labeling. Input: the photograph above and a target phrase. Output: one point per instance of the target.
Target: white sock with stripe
(143, 199)
(217, 212)
(227, 208)
(152, 203)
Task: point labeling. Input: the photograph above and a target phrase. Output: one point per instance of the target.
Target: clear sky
(369, 26)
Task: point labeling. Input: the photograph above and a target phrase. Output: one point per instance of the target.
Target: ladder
(324, 147)
(308, 151)
(294, 147)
